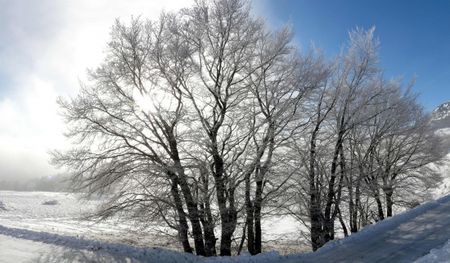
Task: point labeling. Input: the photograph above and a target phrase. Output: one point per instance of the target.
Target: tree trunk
(249, 217)
(194, 217)
(328, 230)
(241, 244)
(328, 226)
(228, 227)
(354, 193)
(314, 206)
(257, 210)
(316, 225)
(354, 215)
(228, 215)
(207, 219)
(389, 202)
(379, 206)
(341, 220)
(182, 222)
(193, 213)
(210, 238)
(352, 211)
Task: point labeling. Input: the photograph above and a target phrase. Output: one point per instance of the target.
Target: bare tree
(167, 112)
(125, 134)
(404, 151)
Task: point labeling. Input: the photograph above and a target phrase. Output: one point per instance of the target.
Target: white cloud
(49, 46)
(30, 127)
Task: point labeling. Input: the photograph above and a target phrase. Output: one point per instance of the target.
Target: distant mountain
(440, 120)
(441, 116)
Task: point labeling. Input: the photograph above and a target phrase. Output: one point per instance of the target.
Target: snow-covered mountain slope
(441, 116)
(443, 168)
(442, 111)
(441, 122)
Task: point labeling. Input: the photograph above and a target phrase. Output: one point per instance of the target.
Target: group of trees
(365, 149)
(207, 120)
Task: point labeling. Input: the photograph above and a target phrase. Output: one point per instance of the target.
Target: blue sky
(414, 35)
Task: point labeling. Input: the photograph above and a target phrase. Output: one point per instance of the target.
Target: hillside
(440, 120)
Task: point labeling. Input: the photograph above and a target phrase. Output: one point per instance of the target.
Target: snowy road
(404, 238)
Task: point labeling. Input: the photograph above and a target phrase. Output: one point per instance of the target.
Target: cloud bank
(45, 48)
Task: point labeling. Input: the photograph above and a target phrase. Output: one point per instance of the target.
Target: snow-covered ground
(22, 250)
(437, 255)
(403, 238)
(64, 214)
(67, 216)
(27, 210)
(20, 245)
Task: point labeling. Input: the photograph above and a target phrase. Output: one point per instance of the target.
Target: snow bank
(383, 226)
(437, 255)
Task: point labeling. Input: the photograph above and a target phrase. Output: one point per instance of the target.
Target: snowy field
(60, 236)
(65, 214)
